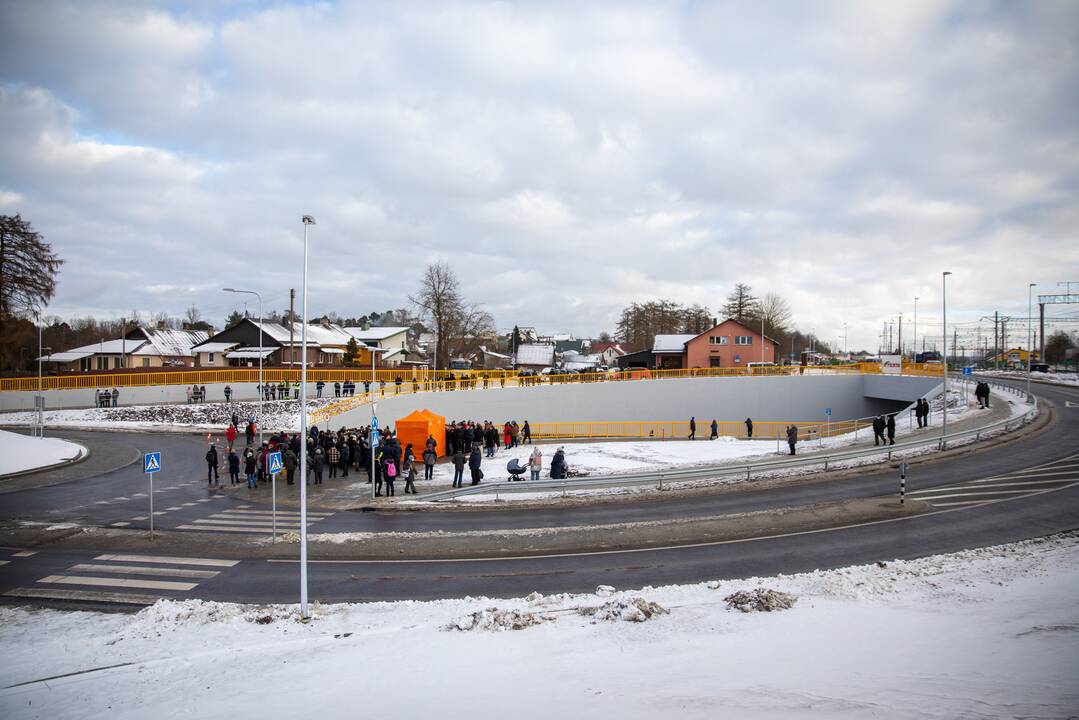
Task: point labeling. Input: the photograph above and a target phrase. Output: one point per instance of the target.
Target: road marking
(243, 506)
(139, 495)
(930, 498)
(120, 524)
(173, 508)
(964, 502)
(159, 512)
(25, 553)
(102, 502)
(225, 528)
(188, 504)
(269, 513)
(1021, 476)
(117, 582)
(203, 500)
(87, 595)
(232, 520)
(140, 517)
(4, 562)
(1069, 403)
(137, 570)
(995, 485)
(212, 562)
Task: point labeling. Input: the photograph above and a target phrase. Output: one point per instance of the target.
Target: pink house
(728, 344)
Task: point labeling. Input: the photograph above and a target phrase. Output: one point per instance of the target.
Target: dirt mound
(760, 600)
(495, 620)
(634, 609)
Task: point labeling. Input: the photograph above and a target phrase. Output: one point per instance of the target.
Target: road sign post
(151, 463)
(374, 448)
(902, 483)
(273, 467)
(828, 422)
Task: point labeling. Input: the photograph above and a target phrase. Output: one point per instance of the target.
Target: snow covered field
(1054, 378)
(989, 633)
(19, 453)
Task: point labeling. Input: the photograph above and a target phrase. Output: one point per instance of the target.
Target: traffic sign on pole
(273, 467)
(151, 463)
(273, 463)
(828, 412)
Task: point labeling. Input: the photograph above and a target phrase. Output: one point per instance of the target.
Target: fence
(679, 429)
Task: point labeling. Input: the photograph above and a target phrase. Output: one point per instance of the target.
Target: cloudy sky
(565, 158)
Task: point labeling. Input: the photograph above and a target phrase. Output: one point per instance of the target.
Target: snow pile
(760, 600)
(495, 620)
(22, 453)
(632, 609)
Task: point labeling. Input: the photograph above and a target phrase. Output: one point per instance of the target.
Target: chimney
(715, 321)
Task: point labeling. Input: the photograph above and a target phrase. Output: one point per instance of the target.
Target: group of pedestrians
(884, 430)
(921, 412)
(715, 429)
(464, 434)
(197, 394)
(104, 398)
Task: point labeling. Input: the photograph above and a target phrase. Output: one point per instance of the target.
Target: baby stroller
(515, 469)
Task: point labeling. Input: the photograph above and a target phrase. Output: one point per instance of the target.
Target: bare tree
(776, 314)
(455, 323)
(28, 267)
(192, 315)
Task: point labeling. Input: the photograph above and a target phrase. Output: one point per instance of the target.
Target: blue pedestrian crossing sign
(151, 463)
(374, 438)
(968, 370)
(374, 423)
(273, 463)
(828, 412)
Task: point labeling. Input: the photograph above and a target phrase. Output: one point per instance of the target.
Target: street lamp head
(947, 272)
(308, 220)
(228, 289)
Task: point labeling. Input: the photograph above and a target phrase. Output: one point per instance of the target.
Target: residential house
(534, 356)
(610, 350)
(1013, 358)
(669, 351)
(141, 347)
(726, 344)
(242, 345)
(484, 359)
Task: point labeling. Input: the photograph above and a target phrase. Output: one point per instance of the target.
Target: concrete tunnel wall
(783, 398)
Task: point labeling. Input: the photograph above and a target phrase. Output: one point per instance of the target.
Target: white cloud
(566, 159)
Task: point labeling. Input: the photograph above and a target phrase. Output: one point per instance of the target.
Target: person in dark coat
(792, 437)
(346, 456)
(526, 430)
(250, 466)
(249, 431)
(715, 430)
(211, 466)
(234, 467)
(116, 396)
(428, 463)
(458, 467)
(749, 428)
(891, 429)
(558, 464)
(318, 462)
(474, 460)
(981, 391)
(290, 465)
(693, 428)
(228, 393)
(408, 469)
(878, 430)
(318, 388)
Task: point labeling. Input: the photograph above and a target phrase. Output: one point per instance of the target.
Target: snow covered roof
(108, 347)
(528, 354)
(173, 343)
(316, 334)
(209, 347)
(332, 351)
(249, 353)
(375, 333)
(670, 343)
(65, 357)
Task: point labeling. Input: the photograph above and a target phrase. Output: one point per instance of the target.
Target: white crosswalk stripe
(109, 578)
(1058, 475)
(244, 519)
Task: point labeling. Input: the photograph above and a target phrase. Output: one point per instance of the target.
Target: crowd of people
(103, 398)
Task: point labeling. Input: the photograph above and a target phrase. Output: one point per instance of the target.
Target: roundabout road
(1004, 516)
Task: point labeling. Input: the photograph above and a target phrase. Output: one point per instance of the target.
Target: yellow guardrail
(429, 379)
(679, 429)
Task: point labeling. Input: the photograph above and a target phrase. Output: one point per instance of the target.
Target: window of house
(102, 363)
(146, 362)
(743, 339)
(210, 358)
(717, 339)
(714, 362)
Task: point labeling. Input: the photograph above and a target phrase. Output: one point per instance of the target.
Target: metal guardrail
(661, 478)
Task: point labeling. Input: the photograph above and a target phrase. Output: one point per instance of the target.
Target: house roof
(529, 354)
(317, 335)
(210, 347)
(374, 333)
(173, 343)
(65, 357)
(739, 324)
(670, 343)
(108, 347)
(250, 352)
(601, 346)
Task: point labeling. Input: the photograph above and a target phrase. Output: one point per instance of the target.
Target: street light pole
(1030, 340)
(262, 387)
(307, 220)
(915, 328)
(40, 397)
(944, 303)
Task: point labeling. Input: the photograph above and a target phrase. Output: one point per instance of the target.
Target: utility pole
(996, 340)
(292, 327)
(900, 333)
(1041, 329)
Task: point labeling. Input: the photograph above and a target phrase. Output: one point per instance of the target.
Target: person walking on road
(890, 425)
(230, 436)
(333, 458)
(693, 428)
(250, 465)
(249, 431)
(792, 437)
(408, 468)
(458, 467)
(318, 462)
(234, 467)
(715, 430)
(211, 466)
(474, 461)
(749, 428)
(535, 463)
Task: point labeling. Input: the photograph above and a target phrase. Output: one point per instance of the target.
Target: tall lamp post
(262, 387)
(307, 220)
(40, 401)
(374, 419)
(944, 304)
(1030, 340)
(916, 328)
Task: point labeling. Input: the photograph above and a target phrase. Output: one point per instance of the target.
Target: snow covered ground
(1054, 378)
(19, 453)
(990, 633)
(278, 414)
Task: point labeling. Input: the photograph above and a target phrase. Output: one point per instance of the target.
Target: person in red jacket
(230, 435)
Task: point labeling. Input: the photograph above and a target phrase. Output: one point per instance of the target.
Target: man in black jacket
(878, 430)
(891, 429)
(474, 460)
(211, 466)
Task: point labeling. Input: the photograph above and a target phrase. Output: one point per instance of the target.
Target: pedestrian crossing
(125, 579)
(1056, 475)
(247, 520)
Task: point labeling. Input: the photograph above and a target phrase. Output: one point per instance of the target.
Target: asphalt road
(947, 529)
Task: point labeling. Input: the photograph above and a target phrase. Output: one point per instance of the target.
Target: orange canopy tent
(417, 426)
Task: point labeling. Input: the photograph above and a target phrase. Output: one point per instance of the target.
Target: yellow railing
(429, 379)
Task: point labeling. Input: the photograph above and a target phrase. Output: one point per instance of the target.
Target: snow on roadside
(20, 453)
(1055, 378)
(992, 629)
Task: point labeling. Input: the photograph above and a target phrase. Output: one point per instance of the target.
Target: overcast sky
(565, 159)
